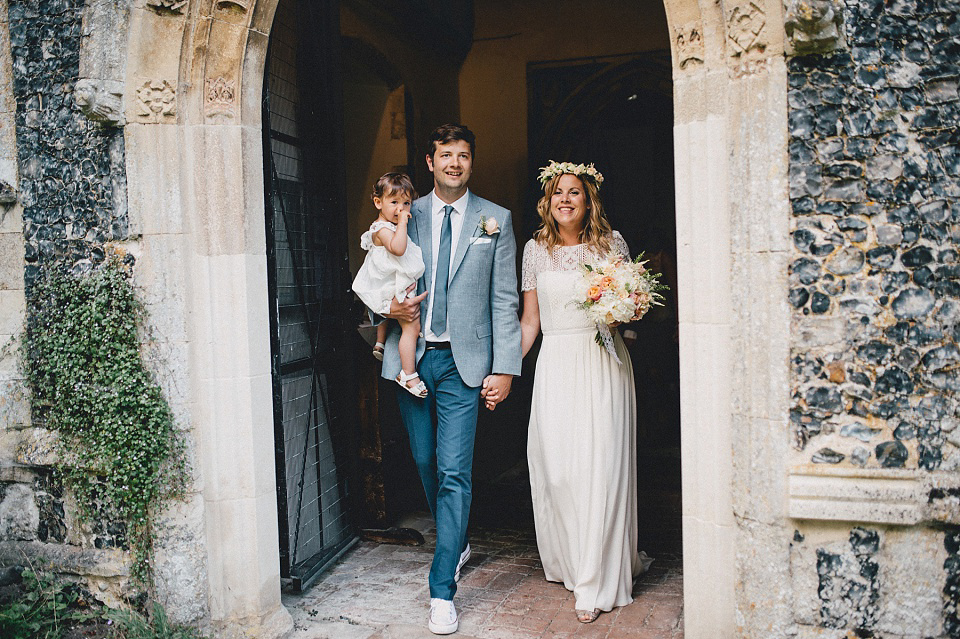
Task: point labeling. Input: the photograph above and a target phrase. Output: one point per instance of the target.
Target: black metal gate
(307, 272)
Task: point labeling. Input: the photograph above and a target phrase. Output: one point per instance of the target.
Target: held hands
(495, 389)
(409, 309)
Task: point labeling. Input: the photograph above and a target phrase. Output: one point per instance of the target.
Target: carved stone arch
(212, 67)
(193, 46)
(695, 29)
(192, 94)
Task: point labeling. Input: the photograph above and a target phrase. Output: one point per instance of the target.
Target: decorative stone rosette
(156, 101)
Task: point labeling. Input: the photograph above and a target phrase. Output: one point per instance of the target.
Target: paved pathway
(380, 592)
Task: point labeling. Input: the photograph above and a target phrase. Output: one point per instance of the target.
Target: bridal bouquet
(617, 290)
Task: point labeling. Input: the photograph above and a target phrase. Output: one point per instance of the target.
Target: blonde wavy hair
(596, 231)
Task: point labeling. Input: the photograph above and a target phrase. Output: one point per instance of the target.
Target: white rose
(490, 226)
(624, 310)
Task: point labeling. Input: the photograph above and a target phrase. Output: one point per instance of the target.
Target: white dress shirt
(456, 225)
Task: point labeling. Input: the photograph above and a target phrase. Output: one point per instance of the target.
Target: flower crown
(555, 168)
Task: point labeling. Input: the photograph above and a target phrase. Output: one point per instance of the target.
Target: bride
(582, 439)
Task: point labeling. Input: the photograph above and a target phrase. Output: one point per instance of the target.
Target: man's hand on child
(409, 309)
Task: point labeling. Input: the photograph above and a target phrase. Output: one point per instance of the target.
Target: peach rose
(606, 282)
(594, 293)
(490, 226)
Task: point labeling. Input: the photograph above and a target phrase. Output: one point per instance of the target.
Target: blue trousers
(442, 429)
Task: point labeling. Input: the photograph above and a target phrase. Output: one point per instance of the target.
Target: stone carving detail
(100, 100)
(814, 26)
(689, 41)
(745, 24)
(243, 5)
(157, 101)
(220, 97)
(171, 6)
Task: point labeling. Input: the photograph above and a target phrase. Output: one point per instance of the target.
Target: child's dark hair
(392, 183)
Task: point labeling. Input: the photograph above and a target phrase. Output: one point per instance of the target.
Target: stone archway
(191, 86)
(192, 93)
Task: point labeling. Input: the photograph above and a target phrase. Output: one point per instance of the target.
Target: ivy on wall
(118, 448)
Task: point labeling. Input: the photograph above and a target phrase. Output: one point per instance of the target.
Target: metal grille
(304, 276)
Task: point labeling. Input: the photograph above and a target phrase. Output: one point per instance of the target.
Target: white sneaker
(443, 617)
(464, 558)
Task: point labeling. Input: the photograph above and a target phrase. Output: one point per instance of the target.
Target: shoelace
(447, 611)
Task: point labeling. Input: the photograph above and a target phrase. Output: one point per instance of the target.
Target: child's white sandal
(419, 390)
(378, 351)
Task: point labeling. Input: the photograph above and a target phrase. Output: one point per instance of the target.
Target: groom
(467, 302)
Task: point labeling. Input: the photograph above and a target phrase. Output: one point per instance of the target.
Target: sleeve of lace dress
(528, 267)
(619, 245)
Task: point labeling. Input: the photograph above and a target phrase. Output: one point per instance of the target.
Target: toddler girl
(392, 264)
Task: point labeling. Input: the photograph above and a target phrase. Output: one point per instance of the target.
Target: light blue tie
(438, 322)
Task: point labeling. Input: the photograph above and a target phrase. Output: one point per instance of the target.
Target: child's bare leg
(381, 339)
(382, 331)
(409, 331)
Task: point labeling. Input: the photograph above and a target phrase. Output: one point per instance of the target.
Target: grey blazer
(482, 298)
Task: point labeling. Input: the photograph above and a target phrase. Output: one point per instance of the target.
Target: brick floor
(380, 592)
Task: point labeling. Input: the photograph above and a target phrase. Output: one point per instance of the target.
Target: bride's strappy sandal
(417, 390)
(587, 616)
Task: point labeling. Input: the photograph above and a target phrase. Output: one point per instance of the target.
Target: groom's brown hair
(447, 133)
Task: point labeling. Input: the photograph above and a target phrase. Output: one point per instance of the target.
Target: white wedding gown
(582, 440)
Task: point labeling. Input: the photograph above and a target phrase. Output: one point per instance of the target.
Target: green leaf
(87, 377)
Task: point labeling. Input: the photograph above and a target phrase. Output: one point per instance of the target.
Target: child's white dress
(383, 275)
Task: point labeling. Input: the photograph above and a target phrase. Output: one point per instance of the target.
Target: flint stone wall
(875, 283)
(72, 176)
(875, 287)
(72, 191)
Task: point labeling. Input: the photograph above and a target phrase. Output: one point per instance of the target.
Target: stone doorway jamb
(730, 140)
(192, 91)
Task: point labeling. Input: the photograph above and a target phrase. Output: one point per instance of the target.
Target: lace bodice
(366, 240)
(537, 259)
(555, 278)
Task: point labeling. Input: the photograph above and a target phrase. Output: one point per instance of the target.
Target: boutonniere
(488, 225)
